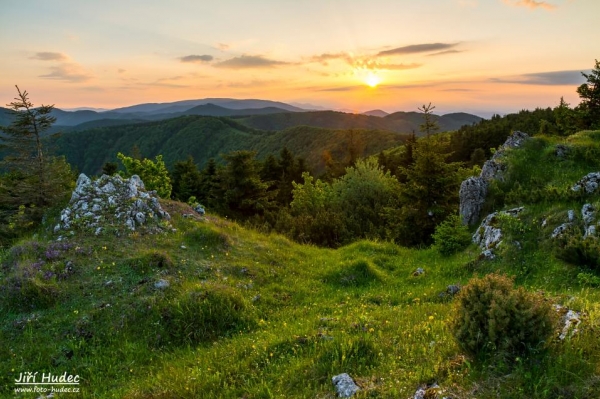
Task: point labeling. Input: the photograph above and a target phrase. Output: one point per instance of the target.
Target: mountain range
(259, 114)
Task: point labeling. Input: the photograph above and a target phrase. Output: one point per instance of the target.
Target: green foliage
(186, 180)
(205, 315)
(429, 125)
(353, 206)
(110, 168)
(241, 193)
(429, 195)
(492, 317)
(34, 181)
(589, 93)
(451, 236)
(154, 174)
(573, 248)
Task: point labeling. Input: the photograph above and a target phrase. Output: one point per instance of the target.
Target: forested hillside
(208, 137)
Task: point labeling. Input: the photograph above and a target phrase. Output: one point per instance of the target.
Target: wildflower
(430, 318)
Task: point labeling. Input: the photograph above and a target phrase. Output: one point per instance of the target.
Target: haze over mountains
(259, 114)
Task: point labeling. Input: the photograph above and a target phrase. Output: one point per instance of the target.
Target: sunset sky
(479, 56)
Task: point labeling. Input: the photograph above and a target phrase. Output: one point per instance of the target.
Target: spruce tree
(33, 180)
(589, 93)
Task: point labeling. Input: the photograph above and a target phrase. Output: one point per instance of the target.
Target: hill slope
(400, 122)
(211, 309)
(208, 137)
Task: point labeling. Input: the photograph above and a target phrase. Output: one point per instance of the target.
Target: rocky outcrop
(589, 183)
(344, 385)
(474, 190)
(588, 217)
(488, 236)
(111, 202)
(472, 197)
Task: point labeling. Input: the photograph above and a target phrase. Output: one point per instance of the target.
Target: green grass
(249, 315)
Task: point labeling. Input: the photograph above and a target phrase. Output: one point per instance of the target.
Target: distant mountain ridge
(259, 114)
(181, 106)
(398, 122)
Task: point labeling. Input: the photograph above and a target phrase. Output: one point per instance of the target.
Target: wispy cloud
(49, 56)
(256, 83)
(458, 90)
(249, 62)
(68, 72)
(399, 67)
(532, 4)
(326, 57)
(343, 88)
(417, 48)
(556, 78)
(223, 46)
(202, 59)
(445, 52)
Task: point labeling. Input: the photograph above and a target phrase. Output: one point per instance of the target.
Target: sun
(372, 79)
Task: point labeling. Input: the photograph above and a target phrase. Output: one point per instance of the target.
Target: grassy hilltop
(249, 315)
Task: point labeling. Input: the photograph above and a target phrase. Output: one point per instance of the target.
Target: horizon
(348, 56)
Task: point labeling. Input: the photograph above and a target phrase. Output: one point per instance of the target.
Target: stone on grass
(345, 386)
(162, 284)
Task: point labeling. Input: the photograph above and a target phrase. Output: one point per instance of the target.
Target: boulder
(345, 386)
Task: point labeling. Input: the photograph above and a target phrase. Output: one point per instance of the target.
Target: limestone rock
(570, 321)
(344, 385)
(162, 284)
(488, 236)
(562, 150)
(589, 183)
(111, 201)
(560, 230)
(472, 197)
(474, 190)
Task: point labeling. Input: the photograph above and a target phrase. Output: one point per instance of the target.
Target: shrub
(451, 236)
(492, 316)
(573, 248)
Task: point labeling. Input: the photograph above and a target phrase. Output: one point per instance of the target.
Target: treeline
(401, 195)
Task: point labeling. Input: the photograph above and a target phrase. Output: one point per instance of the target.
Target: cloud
(69, 72)
(344, 88)
(121, 70)
(248, 62)
(223, 46)
(556, 78)
(48, 56)
(459, 90)
(417, 48)
(197, 58)
(398, 67)
(256, 83)
(445, 52)
(326, 57)
(533, 4)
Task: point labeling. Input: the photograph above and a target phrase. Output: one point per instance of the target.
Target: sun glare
(372, 80)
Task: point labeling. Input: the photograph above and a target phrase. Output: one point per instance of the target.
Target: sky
(478, 56)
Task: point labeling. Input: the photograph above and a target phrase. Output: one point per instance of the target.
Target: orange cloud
(533, 4)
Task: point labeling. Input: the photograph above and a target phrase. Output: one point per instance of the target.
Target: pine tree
(185, 180)
(34, 181)
(589, 93)
(241, 192)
